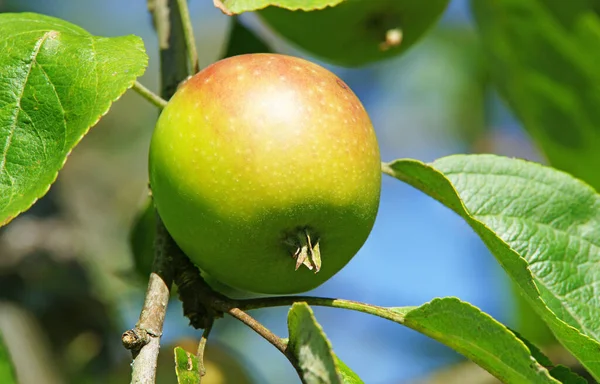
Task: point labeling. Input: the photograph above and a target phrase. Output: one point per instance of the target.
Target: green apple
(266, 171)
(356, 32)
(141, 242)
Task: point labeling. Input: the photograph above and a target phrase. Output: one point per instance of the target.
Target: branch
(188, 32)
(144, 339)
(171, 40)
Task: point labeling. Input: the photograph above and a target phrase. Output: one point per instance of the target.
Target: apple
(266, 171)
(141, 243)
(356, 32)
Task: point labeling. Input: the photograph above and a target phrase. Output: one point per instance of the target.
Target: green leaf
(528, 322)
(356, 32)
(186, 367)
(311, 348)
(535, 351)
(543, 56)
(477, 336)
(7, 372)
(566, 376)
(348, 376)
(56, 81)
(559, 372)
(242, 41)
(231, 7)
(528, 213)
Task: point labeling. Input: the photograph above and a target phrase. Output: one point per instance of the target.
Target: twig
(149, 95)
(171, 39)
(144, 339)
(188, 32)
(202, 346)
(275, 340)
(201, 304)
(259, 328)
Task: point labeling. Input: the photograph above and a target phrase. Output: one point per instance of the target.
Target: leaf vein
(18, 109)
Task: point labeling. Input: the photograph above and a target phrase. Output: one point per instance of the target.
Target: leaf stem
(275, 340)
(144, 339)
(255, 325)
(149, 95)
(265, 302)
(188, 33)
(202, 347)
(385, 168)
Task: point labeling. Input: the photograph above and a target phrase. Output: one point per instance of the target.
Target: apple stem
(306, 253)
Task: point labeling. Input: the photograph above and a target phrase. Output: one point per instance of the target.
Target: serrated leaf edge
(430, 303)
(223, 8)
(76, 142)
(387, 168)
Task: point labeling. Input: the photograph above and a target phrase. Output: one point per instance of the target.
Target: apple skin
(354, 33)
(254, 147)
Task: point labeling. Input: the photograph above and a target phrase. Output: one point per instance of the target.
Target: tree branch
(171, 40)
(144, 339)
(190, 41)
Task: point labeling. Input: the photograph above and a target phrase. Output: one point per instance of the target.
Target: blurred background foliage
(68, 285)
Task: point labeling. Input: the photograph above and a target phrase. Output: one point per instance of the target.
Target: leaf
(348, 376)
(543, 57)
(528, 213)
(56, 81)
(311, 348)
(528, 322)
(231, 7)
(356, 33)
(535, 351)
(242, 41)
(7, 371)
(477, 336)
(566, 376)
(559, 372)
(186, 367)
